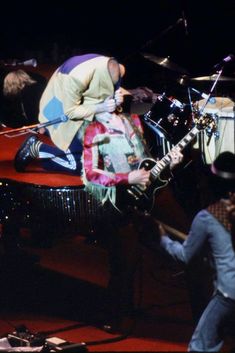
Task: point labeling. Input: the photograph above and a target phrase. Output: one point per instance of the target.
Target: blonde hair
(15, 81)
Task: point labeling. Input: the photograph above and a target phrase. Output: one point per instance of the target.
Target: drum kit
(172, 119)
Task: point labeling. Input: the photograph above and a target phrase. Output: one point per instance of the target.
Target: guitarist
(113, 148)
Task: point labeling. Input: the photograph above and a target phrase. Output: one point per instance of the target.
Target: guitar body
(135, 196)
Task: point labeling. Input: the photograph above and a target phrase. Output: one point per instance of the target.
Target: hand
(118, 97)
(162, 230)
(176, 157)
(139, 176)
(109, 106)
(42, 130)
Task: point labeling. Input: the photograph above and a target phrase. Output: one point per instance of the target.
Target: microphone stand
(213, 129)
(211, 90)
(30, 128)
(190, 100)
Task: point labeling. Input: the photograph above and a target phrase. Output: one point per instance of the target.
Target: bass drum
(222, 109)
(169, 118)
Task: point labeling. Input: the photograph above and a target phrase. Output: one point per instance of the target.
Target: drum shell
(171, 118)
(224, 139)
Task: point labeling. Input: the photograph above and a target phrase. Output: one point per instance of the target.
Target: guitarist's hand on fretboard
(176, 157)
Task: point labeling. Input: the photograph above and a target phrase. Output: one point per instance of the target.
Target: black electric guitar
(142, 198)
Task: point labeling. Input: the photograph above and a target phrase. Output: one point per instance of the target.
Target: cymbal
(165, 62)
(212, 78)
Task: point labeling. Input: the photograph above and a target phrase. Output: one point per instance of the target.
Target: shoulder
(203, 216)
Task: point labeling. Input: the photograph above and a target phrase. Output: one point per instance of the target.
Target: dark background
(54, 30)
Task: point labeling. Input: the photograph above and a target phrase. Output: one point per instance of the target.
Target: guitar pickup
(133, 194)
(139, 190)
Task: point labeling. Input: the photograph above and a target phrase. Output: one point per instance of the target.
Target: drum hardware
(212, 129)
(176, 103)
(208, 97)
(204, 95)
(152, 124)
(216, 148)
(222, 138)
(207, 100)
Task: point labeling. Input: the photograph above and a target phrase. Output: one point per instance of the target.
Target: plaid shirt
(218, 210)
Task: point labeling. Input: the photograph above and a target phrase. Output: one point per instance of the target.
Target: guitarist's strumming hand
(176, 157)
(139, 176)
(162, 230)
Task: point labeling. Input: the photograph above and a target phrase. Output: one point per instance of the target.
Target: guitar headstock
(205, 120)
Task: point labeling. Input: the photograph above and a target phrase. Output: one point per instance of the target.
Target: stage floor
(61, 292)
(60, 296)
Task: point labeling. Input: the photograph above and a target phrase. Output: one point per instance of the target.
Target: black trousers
(120, 237)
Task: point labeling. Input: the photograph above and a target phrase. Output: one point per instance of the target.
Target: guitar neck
(165, 161)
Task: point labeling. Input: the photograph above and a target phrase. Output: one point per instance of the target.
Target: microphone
(61, 119)
(30, 62)
(212, 100)
(117, 85)
(226, 60)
